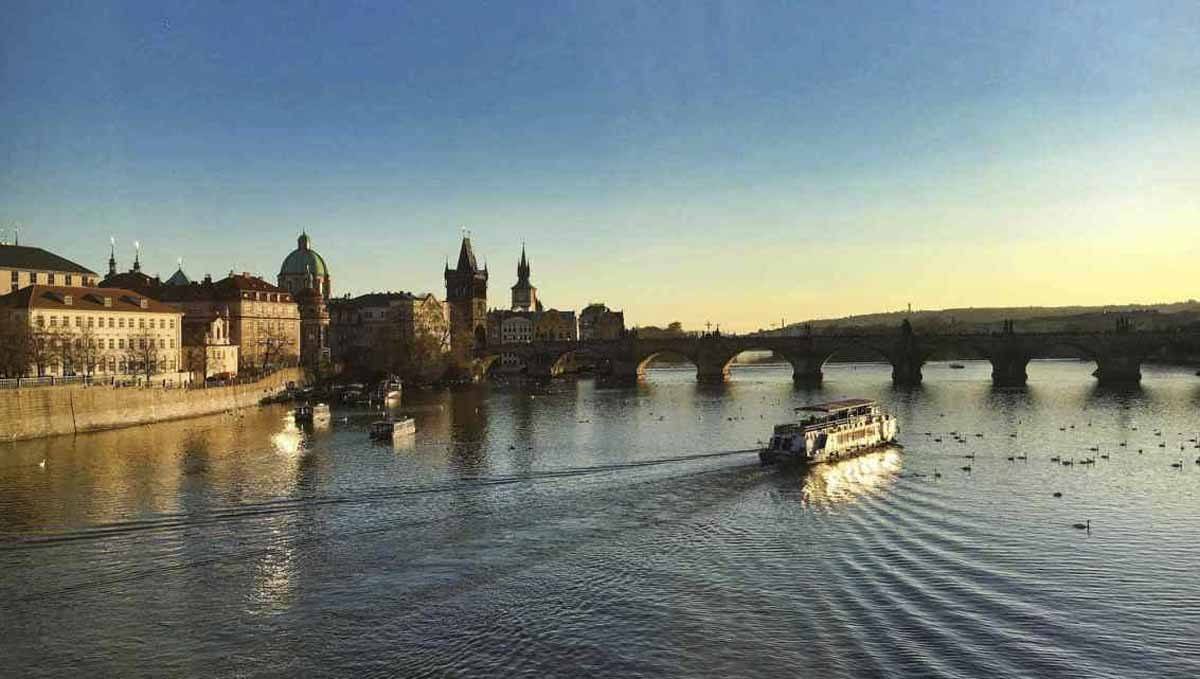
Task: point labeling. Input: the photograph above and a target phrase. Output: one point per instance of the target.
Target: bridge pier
(712, 371)
(1118, 370)
(806, 370)
(906, 371)
(1009, 371)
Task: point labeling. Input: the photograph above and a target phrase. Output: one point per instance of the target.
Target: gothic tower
(466, 295)
(524, 295)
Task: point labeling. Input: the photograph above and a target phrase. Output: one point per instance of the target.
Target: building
(263, 319)
(92, 331)
(305, 275)
(301, 264)
(598, 322)
(22, 265)
(466, 294)
(207, 350)
(524, 295)
(388, 332)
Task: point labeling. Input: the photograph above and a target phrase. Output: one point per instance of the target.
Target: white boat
(391, 429)
(311, 413)
(831, 431)
(389, 390)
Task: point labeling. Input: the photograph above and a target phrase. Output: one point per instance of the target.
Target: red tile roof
(83, 299)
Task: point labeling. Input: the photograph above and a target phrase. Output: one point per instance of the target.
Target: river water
(572, 530)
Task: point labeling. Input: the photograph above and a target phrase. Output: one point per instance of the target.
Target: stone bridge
(1118, 354)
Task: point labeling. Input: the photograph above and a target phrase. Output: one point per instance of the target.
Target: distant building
(92, 331)
(381, 331)
(210, 353)
(598, 322)
(466, 295)
(263, 320)
(528, 320)
(524, 295)
(22, 265)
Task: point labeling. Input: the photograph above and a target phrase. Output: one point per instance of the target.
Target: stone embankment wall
(51, 411)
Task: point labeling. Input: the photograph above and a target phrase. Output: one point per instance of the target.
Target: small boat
(311, 413)
(957, 366)
(389, 390)
(831, 431)
(391, 429)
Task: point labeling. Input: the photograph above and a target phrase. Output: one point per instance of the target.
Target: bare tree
(272, 346)
(141, 354)
(90, 352)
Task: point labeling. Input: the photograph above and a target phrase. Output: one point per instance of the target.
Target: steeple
(137, 256)
(523, 267)
(112, 256)
(466, 257)
(302, 241)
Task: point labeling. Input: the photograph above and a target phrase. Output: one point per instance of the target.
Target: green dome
(303, 260)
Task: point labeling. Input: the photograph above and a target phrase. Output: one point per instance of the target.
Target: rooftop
(26, 257)
(83, 299)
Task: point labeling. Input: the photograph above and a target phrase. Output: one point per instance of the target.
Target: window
(16, 278)
(70, 279)
(41, 321)
(111, 343)
(172, 344)
(121, 322)
(142, 323)
(162, 344)
(162, 323)
(121, 345)
(79, 321)
(172, 322)
(91, 321)
(111, 321)
(54, 321)
(50, 278)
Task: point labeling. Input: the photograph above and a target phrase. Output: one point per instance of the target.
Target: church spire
(112, 256)
(523, 266)
(137, 256)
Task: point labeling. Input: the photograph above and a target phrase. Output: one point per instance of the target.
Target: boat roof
(837, 406)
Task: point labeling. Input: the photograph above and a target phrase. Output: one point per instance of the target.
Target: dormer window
(144, 303)
(68, 300)
(108, 303)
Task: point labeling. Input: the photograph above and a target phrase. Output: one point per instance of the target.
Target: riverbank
(55, 411)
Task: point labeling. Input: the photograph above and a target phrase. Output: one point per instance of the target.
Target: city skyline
(715, 162)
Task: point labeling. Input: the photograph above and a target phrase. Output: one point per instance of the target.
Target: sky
(741, 163)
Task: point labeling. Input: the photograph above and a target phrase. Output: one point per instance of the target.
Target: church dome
(303, 260)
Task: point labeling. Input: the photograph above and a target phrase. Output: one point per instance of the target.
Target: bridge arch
(644, 360)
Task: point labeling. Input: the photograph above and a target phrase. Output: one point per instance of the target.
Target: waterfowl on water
(1177, 465)
(1058, 495)
(966, 468)
(1084, 526)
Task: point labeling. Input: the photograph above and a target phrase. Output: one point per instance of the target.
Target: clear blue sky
(731, 161)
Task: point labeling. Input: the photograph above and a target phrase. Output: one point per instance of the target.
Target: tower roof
(179, 277)
(466, 256)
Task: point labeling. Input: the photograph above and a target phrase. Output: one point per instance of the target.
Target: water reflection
(844, 481)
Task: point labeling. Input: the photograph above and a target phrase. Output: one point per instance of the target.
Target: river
(573, 530)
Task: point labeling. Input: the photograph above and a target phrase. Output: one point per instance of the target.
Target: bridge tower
(466, 295)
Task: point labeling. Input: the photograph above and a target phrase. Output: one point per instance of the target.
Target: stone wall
(51, 411)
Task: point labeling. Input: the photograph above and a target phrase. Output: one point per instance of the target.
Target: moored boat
(389, 390)
(390, 429)
(311, 413)
(830, 431)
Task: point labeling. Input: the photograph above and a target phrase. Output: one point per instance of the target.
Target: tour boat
(389, 429)
(830, 431)
(307, 413)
